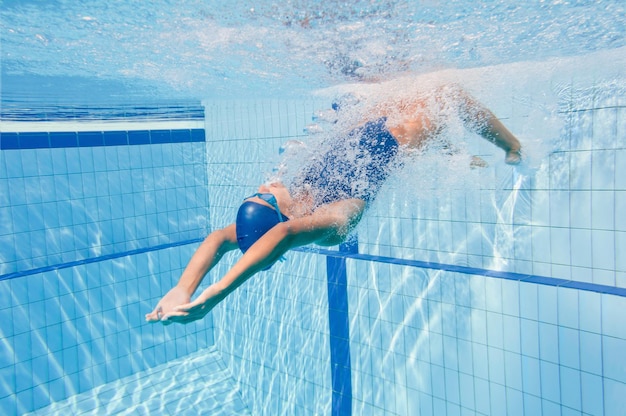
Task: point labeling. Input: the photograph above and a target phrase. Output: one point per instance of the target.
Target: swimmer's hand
(513, 157)
(478, 162)
(176, 296)
(189, 312)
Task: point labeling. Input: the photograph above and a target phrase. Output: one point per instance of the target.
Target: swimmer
(323, 204)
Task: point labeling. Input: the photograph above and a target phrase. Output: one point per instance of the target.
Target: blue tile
(495, 330)
(498, 399)
(138, 137)
(513, 370)
(591, 352)
(9, 141)
(85, 157)
(56, 390)
(569, 347)
(19, 293)
(496, 365)
(34, 140)
(529, 337)
(14, 165)
(514, 402)
(512, 333)
(548, 342)
(115, 138)
(90, 138)
(29, 162)
(547, 297)
(86, 380)
(551, 408)
(63, 139)
(614, 394)
(531, 375)
(24, 401)
(73, 161)
(17, 195)
(55, 344)
(4, 192)
(160, 136)
(493, 299)
(570, 388)
(111, 156)
(466, 387)
(198, 135)
(550, 381)
(532, 405)
(6, 220)
(590, 311)
(483, 399)
(181, 136)
(37, 315)
(7, 388)
(40, 369)
(22, 348)
(32, 189)
(529, 307)
(614, 359)
(612, 312)
(592, 394)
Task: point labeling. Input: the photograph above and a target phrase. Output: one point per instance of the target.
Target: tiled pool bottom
(196, 384)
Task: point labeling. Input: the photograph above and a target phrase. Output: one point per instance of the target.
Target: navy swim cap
(253, 221)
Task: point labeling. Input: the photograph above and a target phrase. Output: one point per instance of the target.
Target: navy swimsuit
(353, 168)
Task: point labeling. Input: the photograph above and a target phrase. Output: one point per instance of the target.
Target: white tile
(581, 248)
(603, 210)
(612, 308)
(580, 175)
(603, 249)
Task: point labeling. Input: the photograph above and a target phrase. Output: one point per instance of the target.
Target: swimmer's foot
(513, 157)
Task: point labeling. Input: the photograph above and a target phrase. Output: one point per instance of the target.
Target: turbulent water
(198, 49)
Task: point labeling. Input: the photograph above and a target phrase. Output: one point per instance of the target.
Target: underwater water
(130, 130)
(202, 49)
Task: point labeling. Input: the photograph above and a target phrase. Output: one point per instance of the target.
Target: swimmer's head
(254, 219)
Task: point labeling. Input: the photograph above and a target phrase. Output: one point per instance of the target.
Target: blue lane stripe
(339, 325)
(97, 259)
(522, 277)
(54, 140)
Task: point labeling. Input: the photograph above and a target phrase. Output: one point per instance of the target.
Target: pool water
(463, 291)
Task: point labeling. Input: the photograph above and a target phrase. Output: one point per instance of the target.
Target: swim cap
(253, 221)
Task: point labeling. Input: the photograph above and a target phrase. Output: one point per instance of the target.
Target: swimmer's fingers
(194, 309)
(156, 315)
(175, 317)
(166, 318)
(184, 314)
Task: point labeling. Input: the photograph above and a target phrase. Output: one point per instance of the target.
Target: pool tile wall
(107, 193)
(273, 331)
(95, 227)
(557, 216)
(424, 340)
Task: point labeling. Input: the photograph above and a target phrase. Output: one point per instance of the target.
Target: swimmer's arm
(206, 256)
(481, 120)
(329, 223)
